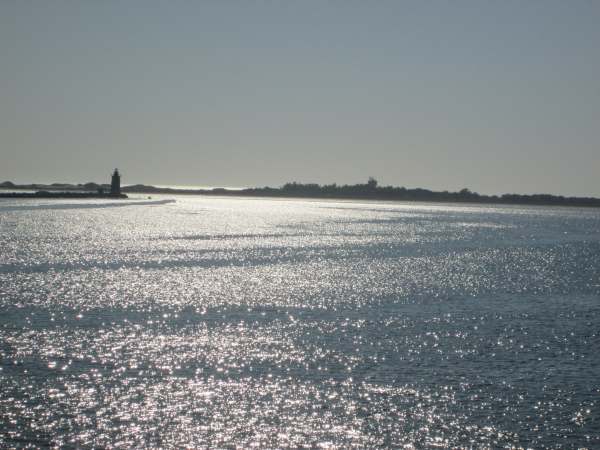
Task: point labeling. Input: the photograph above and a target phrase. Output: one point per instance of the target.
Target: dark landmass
(66, 187)
(368, 191)
(48, 194)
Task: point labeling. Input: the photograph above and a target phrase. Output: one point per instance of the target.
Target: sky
(495, 96)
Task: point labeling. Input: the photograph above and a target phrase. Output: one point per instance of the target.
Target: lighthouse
(115, 184)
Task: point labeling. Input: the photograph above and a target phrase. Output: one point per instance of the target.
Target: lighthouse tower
(115, 184)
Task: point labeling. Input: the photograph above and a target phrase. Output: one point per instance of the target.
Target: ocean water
(224, 322)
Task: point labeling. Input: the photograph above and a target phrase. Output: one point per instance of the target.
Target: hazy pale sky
(499, 96)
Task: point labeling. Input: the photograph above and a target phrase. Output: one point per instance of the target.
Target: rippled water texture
(213, 322)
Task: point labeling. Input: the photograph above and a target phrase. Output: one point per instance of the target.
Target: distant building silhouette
(115, 184)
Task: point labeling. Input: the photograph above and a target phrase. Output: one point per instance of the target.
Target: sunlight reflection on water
(220, 322)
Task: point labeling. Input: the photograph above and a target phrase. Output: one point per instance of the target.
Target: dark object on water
(115, 184)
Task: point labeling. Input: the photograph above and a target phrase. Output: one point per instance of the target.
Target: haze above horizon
(497, 97)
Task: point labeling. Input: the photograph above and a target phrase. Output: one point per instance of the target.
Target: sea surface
(209, 322)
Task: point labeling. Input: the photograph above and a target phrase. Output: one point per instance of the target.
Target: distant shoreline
(369, 191)
(59, 194)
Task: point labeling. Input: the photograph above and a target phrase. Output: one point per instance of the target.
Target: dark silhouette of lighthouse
(115, 184)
